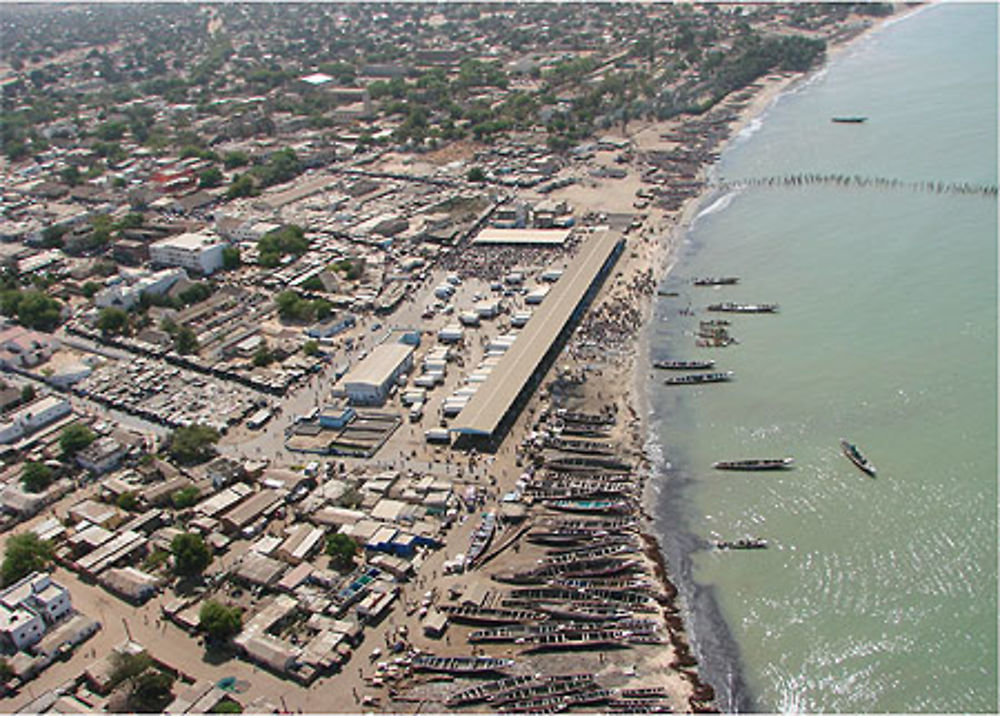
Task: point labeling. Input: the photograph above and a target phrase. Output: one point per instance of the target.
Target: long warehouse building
(495, 405)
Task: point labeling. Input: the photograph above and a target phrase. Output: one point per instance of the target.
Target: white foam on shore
(751, 129)
(718, 205)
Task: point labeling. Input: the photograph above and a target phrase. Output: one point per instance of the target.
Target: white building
(369, 381)
(29, 606)
(196, 251)
(127, 291)
(33, 416)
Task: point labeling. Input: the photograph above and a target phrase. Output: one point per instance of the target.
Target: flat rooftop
(489, 405)
(379, 365)
(534, 237)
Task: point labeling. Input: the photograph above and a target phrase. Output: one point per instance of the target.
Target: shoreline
(663, 261)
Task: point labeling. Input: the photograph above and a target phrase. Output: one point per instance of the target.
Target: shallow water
(877, 594)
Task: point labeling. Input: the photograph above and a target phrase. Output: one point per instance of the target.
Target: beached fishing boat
(603, 639)
(849, 120)
(647, 692)
(584, 612)
(594, 507)
(544, 687)
(481, 692)
(742, 543)
(470, 614)
(713, 281)
(585, 418)
(696, 378)
(582, 446)
(779, 463)
(460, 664)
(730, 307)
(684, 364)
(585, 463)
(481, 538)
(855, 456)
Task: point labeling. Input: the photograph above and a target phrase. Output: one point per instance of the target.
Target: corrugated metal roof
(494, 398)
(378, 367)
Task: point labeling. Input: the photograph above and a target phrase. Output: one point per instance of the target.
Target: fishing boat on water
(855, 456)
(684, 364)
(460, 664)
(716, 281)
(848, 120)
(742, 543)
(730, 307)
(695, 378)
(779, 463)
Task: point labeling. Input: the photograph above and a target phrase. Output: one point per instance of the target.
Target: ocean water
(876, 595)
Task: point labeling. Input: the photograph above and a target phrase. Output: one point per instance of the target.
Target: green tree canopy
(36, 476)
(219, 621)
(32, 308)
(230, 258)
(192, 444)
(185, 497)
(128, 500)
(112, 321)
(341, 550)
(185, 341)
(209, 178)
(191, 554)
(24, 554)
(74, 438)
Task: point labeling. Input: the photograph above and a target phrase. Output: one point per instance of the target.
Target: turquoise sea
(876, 595)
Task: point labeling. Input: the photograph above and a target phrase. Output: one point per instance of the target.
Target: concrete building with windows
(29, 607)
(369, 381)
(26, 420)
(195, 251)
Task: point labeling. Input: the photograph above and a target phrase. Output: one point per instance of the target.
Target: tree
(210, 178)
(128, 500)
(311, 348)
(185, 341)
(28, 393)
(191, 554)
(476, 174)
(230, 258)
(219, 621)
(7, 672)
(242, 185)
(112, 321)
(35, 310)
(262, 356)
(91, 288)
(232, 160)
(36, 476)
(24, 554)
(226, 706)
(74, 438)
(151, 692)
(185, 497)
(341, 550)
(192, 444)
